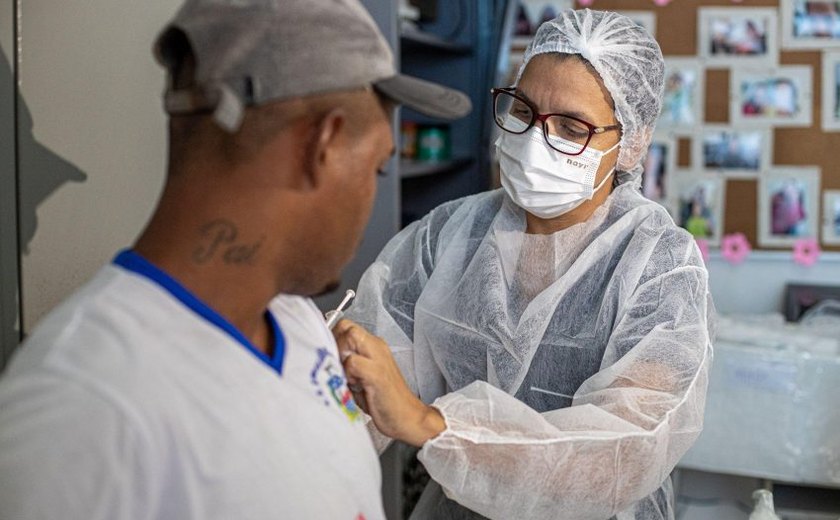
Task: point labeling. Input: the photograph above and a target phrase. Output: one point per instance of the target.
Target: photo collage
(763, 95)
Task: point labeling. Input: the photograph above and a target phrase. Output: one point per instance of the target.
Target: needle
(334, 316)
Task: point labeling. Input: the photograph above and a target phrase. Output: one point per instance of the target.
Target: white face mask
(543, 181)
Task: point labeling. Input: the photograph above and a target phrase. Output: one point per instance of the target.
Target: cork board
(676, 31)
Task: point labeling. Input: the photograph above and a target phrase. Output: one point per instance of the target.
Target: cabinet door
(9, 310)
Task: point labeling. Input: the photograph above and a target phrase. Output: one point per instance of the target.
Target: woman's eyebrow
(575, 113)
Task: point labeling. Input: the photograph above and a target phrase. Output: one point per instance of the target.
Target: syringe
(335, 316)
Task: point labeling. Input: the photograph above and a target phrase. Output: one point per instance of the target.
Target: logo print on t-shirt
(328, 378)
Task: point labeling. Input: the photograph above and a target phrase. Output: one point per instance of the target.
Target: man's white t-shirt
(134, 400)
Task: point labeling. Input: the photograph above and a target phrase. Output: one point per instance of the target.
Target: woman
(559, 326)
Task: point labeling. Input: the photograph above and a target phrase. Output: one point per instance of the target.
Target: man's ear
(326, 151)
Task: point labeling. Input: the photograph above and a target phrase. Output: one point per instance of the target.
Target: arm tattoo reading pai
(219, 237)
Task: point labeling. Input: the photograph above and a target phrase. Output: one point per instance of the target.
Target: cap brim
(428, 98)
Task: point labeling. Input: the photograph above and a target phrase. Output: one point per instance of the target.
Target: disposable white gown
(571, 369)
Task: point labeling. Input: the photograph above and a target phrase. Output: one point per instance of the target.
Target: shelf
(410, 168)
(412, 39)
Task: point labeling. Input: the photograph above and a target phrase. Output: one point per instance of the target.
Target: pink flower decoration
(661, 3)
(586, 3)
(703, 245)
(806, 251)
(735, 248)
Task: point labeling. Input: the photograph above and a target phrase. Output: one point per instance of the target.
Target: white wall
(93, 155)
(757, 285)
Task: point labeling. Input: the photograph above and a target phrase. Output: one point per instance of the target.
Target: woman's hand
(380, 389)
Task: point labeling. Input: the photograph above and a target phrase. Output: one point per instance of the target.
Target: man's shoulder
(104, 337)
(62, 378)
(78, 317)
(98, 311)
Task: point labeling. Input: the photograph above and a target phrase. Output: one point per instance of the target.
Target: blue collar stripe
(132, 261)
(279, 343)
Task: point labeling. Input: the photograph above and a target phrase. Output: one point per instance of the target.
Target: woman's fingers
(360, 340)
(353, 339)
(359, 370)
(343, 326)
(344, 350)
(346, 341)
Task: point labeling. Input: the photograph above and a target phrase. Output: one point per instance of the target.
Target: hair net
(571, 368)
(630, 64)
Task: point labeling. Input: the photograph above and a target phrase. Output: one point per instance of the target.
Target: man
(177, 383)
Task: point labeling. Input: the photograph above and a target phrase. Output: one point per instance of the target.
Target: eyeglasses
(566, 134)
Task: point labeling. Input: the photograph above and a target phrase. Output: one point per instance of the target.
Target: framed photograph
(646, 19)
(788, 205)
(831, 218)
(732, 36)
(530, 14)
(736, 152)
(698, 204)
(780, 96)
(831, 91)
(810, 24)
(659, 166)
(683, 99)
